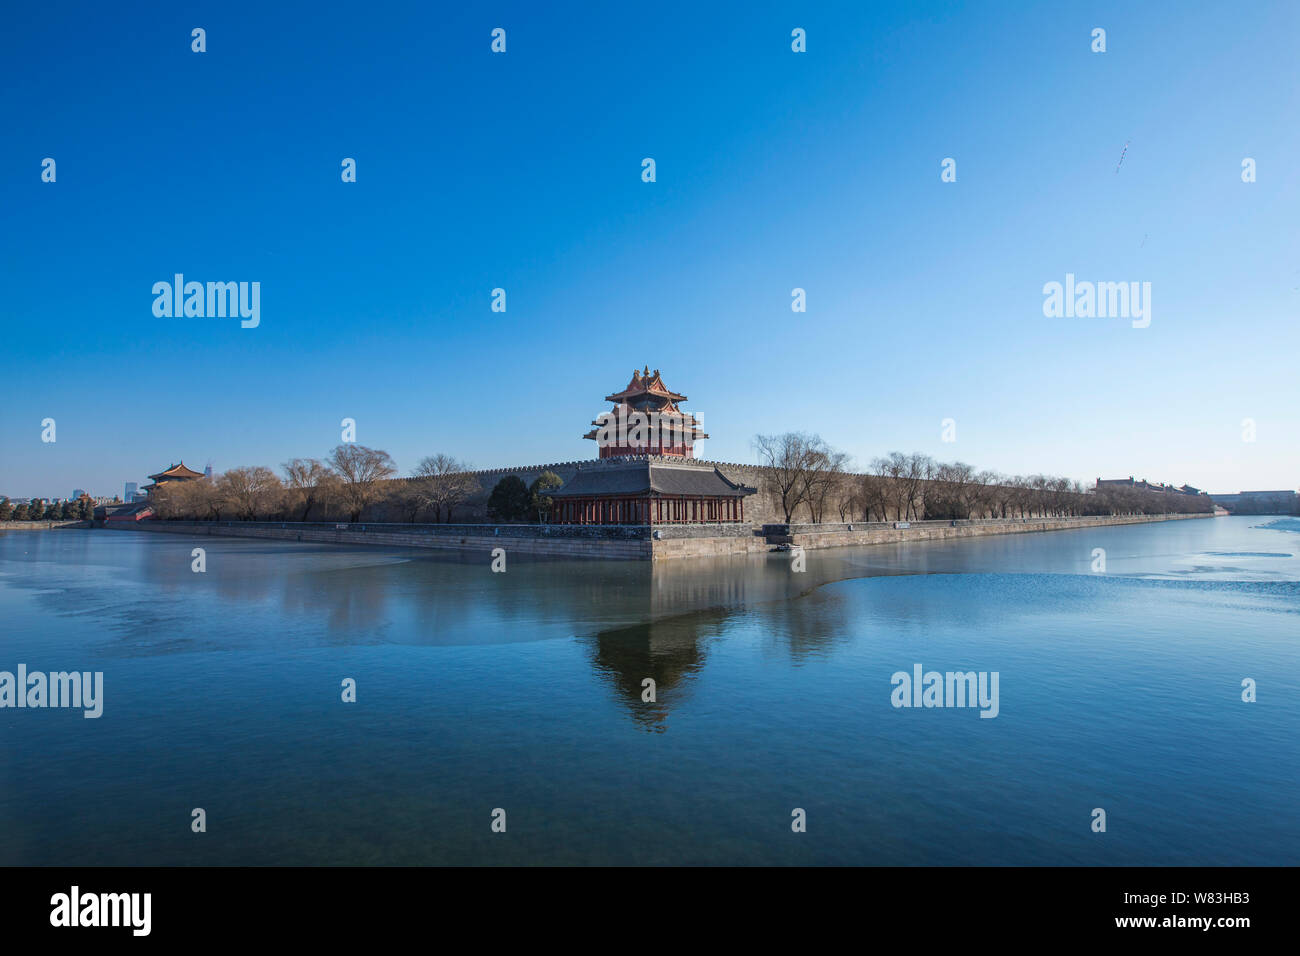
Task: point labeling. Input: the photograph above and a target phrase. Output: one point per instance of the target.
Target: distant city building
(129, 495)
(172, 473)
(207, 472)
(77, 493)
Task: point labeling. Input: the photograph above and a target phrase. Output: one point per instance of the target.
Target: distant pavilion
(645, 474)
(172, 473)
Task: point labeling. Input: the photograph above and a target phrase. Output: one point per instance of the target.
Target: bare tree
(309, 484)
(890, 469)
(250, 492)
(919, 468)
(781, 456)
(181, 499)
(408, 500)
(906, 476)
(821, 474)
(787, 459)
(991, 495)
(844, 493)
(873, 495)
(360, 469)
(199, 499)
(949, 491)
(441, 482)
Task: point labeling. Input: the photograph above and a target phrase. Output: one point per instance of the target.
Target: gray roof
(640, 478)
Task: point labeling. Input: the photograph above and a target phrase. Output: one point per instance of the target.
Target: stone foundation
(813, 537)
(627, 543)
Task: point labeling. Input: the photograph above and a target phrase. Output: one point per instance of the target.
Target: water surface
(523, 691)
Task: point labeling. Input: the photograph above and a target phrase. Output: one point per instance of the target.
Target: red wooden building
(646, 420)
(645, 475)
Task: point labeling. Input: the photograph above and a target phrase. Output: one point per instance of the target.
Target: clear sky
(775, 170)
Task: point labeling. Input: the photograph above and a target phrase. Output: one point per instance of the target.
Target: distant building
(123, 514)
(1144, 485)
(172, 473)
(77, 493)
(129, 495)
(1282, 502)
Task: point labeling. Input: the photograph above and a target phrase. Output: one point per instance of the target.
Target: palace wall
(760, 508)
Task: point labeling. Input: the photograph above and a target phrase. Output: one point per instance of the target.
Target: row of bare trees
(806, 477)
(352, 479)
(803, 476)
(802, 470)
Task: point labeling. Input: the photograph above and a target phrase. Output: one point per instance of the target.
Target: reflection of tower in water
(690, 605)
(669, 652)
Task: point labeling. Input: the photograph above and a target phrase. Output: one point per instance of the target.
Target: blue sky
(775, 170)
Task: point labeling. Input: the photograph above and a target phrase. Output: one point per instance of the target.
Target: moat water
(1119, 690)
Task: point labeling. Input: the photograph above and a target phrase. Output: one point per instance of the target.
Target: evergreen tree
(541, 502)
(510, 500)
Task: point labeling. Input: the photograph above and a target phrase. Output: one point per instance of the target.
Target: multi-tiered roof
(666, 429)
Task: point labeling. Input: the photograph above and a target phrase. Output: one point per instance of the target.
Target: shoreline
(633, 542)
(45, 525)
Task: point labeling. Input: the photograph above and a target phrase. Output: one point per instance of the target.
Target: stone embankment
(41, 525)
(630, 542)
